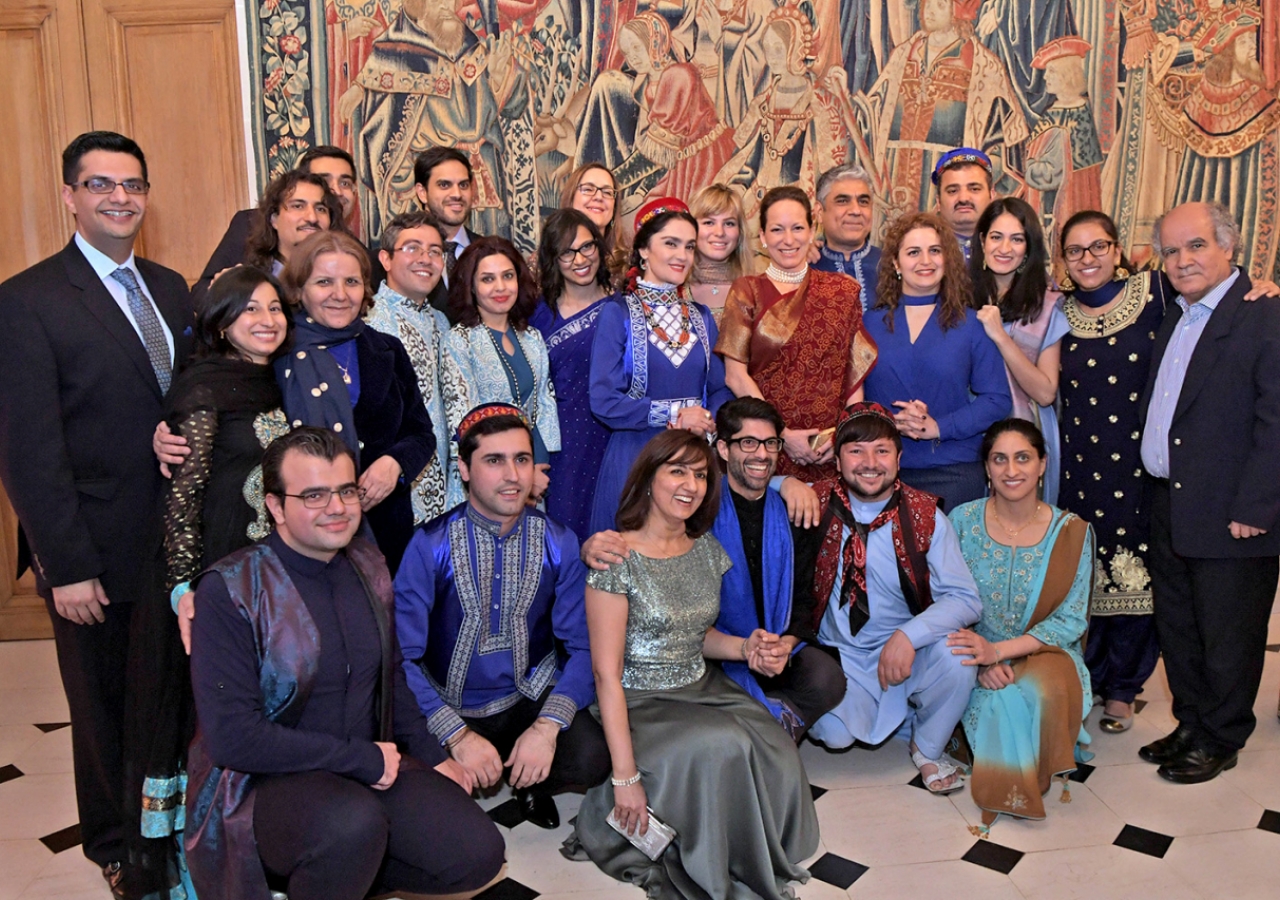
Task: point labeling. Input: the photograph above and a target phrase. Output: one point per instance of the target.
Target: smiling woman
(356, 381)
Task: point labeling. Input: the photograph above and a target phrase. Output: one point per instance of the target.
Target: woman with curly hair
(937, 369)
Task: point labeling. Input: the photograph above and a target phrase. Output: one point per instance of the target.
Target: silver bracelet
(626, 782)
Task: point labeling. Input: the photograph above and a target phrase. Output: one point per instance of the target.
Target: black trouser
(582, 756)
(93, 661)
(1211, 619)
(332, 838)
(811, 684)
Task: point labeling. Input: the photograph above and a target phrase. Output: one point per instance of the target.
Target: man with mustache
(296, 770)
(1211, 446)
(963, 180)
(884, 582)
(490, 604)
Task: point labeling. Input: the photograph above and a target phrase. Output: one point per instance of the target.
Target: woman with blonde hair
(723, 256)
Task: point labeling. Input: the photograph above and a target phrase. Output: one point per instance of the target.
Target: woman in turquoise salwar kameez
(1034, 567)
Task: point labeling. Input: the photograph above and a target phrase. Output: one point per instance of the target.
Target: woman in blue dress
(652, 365)
(493, 355)
(575, 282)
(1034, 567)
(937, 369)
(1021, 316)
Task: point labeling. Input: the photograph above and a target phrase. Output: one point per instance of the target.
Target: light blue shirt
(1173, 372)
(103, 266)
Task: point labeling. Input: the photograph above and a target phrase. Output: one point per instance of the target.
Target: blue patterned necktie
(149, 323)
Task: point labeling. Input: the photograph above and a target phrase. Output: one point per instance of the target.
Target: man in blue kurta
(886, 598)
(490, 610)
(845, 211)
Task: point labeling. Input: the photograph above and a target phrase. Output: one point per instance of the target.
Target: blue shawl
(737, 599)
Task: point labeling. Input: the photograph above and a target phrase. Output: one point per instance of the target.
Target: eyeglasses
(107, 186)
(751, 445)
(588, 251)
(1097, 250)
(414, 249)
(590, 190)
(318, 498)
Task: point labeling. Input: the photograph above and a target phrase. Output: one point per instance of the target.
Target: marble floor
(1125, 834)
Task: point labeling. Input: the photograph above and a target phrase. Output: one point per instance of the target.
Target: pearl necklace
(775, 274)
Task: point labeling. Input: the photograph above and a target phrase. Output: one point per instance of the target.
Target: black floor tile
(816, 791)
(1138, 706)
(918, 781)
(1274, 648)
(837, 870)
(996, 857)
(1082, 773)
(52, 726)
(507, 814)
(508, 889)
(1152, 843)
(1270, 821)
(63, 840)
(8, 773)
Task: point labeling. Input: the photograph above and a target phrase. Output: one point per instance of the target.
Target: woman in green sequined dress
(685, 741)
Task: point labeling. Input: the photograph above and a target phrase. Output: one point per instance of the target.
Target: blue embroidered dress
(575, 468)
(638, 380)
(1011, 730)
(862, 265)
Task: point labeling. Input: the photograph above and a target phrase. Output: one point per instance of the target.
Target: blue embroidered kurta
(863, 266)
(575, 468)
(634, 387)
(485, 619)
(959, 373)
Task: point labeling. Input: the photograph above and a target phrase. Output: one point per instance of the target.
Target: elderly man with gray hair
(845, 211)
(1211, 449)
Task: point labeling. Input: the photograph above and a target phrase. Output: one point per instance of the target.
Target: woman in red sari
(785, 334)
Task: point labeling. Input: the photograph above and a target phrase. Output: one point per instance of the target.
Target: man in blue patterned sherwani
(489, 607)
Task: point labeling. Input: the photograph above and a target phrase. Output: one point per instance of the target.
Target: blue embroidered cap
(961, 156)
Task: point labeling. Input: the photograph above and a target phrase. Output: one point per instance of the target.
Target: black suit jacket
(439, 298)
(231, 252)
(78, 404)
(1224, 442)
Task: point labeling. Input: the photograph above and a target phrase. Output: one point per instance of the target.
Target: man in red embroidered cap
(886, 598)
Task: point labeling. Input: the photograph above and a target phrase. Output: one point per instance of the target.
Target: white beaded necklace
(782, 277)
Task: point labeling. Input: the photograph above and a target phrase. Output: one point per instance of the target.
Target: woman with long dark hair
(652, 365)
(684, 740)
(1009, 267)
(226, 404)
(493, 355)
(575, 283)
(937, 369)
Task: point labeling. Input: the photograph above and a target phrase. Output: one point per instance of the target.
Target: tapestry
(1128, 105)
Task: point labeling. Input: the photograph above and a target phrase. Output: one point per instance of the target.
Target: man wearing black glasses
(754, 526)
(89, 341)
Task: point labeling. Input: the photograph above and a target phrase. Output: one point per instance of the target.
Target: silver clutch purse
(653, 842)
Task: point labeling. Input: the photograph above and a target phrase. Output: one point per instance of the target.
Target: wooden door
(166, 74)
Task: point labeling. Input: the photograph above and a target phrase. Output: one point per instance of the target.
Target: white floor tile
(1101, 873)
(37, 805)
(15, 739)
(881, 826)
(953, 880)
(1084, 822)
(68, 876)
(1242, 865)
(25, 664)
(1138, 796)
(49, 754)
(20, 863)
(888, 765)
(32, 705)
(1258, 776)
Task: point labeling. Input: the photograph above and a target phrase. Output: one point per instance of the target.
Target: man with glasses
(312, 764)
(89, 341)
(798, 682)
(413, 255)
(490, 604)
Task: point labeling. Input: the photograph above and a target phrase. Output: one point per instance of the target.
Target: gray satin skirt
(724, 774)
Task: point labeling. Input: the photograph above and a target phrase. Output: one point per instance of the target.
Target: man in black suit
(89, 341)
(332, 164)
(442, 181)
(1211, 446)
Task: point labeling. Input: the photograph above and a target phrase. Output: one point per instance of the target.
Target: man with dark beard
(886, 599)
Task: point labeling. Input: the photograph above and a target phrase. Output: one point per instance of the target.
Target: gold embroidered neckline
(1084, 324)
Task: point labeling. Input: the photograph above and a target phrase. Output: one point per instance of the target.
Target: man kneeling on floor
(295, 772)
(886, 598)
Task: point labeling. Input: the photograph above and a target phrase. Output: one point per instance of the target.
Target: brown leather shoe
(1168, 748)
